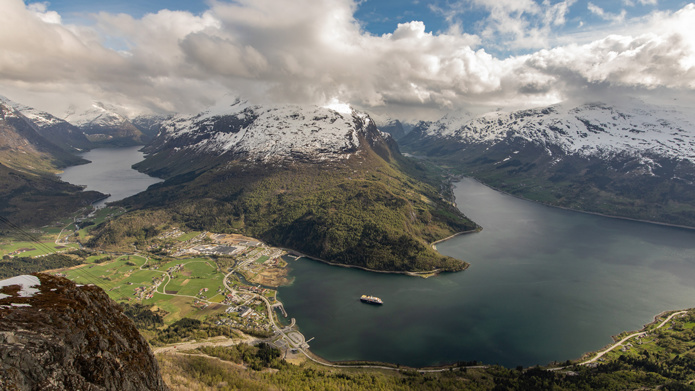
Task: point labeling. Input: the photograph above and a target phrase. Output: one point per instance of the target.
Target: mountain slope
(149, 125)
(52, 128)
(23, 148)
(55, 335)
(634, 161)
(325, 183)
(30, 192)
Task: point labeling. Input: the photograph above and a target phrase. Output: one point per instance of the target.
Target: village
(231, 278)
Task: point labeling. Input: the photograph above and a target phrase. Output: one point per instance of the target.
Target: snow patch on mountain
(589, 130)
(268, 133)
(99, 114)
(40, 118)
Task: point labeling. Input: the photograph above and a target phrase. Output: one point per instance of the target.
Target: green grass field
(196, 274)
(37, 249)
(188, 236)
(120, 280)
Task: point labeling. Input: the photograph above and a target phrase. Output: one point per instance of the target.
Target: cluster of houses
(209, 249)
(201, 293)
(254, 289)
(174, 269)
(143, 292)
(19, 251)
(147, 292)
(201, 305)
(173, 233)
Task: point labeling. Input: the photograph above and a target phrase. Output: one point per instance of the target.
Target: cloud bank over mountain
(316, 52)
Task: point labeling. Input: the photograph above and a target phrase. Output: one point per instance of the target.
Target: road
(629, 337)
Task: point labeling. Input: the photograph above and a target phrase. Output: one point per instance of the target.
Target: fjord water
(544, 285)
(110, 172)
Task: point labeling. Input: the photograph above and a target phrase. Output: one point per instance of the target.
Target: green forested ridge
(186, 329)
(132, 228)
(256, 357)
(34, 200)
(11, 267)
(363, 212)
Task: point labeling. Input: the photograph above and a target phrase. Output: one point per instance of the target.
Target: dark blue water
(544, 285)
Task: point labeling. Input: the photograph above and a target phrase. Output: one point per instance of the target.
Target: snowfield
(269, 133)
(589, 130)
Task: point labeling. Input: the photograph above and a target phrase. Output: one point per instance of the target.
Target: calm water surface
(544, 285)
(110, 172)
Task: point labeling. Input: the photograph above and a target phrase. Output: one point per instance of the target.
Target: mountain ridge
(635, 161)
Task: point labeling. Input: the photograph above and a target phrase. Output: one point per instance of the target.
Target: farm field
(130, 277)
(33, 249)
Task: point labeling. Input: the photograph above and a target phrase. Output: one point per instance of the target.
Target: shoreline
(456, 179)
(470, 231)
(423, 274)
(593, 356)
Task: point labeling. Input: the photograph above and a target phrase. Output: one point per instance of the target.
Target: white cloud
(316, 52)
(519, 24)
(40, 10)
(598, 11)
(631, 3)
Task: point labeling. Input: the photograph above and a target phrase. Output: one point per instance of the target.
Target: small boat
(371, 300)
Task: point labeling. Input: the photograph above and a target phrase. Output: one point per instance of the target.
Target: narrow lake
(110, 172)
(544, 285)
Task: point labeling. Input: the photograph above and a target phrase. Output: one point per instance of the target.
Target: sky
(409, 59)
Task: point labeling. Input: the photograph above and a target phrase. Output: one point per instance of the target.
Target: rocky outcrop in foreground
(56, 335)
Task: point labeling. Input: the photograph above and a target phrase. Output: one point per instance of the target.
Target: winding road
(615, 345)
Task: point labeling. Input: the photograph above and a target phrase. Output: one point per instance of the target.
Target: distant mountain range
(96, 126)
(632, 160)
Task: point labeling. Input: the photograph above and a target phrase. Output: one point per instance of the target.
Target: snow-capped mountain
(54, 129)
(150, 124)
(269, 134)
(104, 123)
(395, 127)
(632, 160)
(40, 118)
(30, 191)
(321, 180)
(588, 130)
(24, 148)
(98, 114)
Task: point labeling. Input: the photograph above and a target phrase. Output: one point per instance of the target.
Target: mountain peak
(97, 114)
(268, 133)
